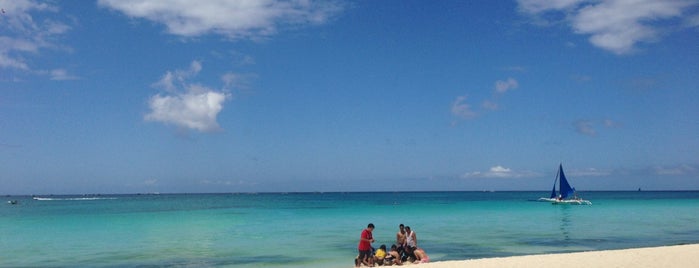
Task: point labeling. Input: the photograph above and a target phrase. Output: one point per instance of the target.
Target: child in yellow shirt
(380, 255)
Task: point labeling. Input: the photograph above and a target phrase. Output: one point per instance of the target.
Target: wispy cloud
(185, 104)
(238, 81)
(660, 171)
(585, 127)
(610, 123)
(499, 89)
(490, 105)
(502, 86)
(23, 34)
(617, 25)
(538, 6)
(62, 74)
(589, 127)
(676, 170)
(589, 172)
(246, 19)
(462, 110)
(500, 172)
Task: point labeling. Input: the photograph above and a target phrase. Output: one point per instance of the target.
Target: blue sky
(136, 96)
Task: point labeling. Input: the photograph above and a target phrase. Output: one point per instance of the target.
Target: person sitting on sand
(408, 255)
(380, 255)
(393, 257)
(420, 256)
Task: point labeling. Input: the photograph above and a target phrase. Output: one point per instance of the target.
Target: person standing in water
(364, 247)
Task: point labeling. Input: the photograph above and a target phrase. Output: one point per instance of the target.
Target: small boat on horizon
(564, 192)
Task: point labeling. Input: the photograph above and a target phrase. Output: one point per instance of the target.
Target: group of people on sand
(404, 250)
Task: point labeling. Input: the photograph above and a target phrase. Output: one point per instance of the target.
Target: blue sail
(565, 188)
(553, 191)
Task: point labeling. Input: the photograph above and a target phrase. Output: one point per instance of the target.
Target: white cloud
(184, 104)
(585, 127)
(502, 86)
(190, 110)
(62, 74)
(7, 61)
(242, 19)
(618, 25)
(499, 172)
(170, 80)
(24, 35)
(462, 109)
(615, 25)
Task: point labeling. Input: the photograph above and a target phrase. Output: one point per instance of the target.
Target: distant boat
(566, 194)
(12, 202)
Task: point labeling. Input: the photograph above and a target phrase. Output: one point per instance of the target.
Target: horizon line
(327, 192)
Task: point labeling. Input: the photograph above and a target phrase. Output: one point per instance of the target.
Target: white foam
(73, 198)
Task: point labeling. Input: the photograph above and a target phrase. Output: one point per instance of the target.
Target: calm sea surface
(322, 229)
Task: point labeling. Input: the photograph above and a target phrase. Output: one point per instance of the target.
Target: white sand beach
(669, 256)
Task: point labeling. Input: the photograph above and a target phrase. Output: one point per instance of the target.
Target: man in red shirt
(365, 246)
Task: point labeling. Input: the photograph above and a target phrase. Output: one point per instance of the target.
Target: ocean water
(322, 229)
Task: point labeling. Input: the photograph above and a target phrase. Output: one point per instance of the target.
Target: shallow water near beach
(322, 229)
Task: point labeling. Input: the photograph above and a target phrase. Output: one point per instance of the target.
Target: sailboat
(566, 194)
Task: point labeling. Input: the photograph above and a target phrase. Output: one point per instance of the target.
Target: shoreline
(663, 256)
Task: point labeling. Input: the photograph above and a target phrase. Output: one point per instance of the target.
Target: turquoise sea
(322, 229)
